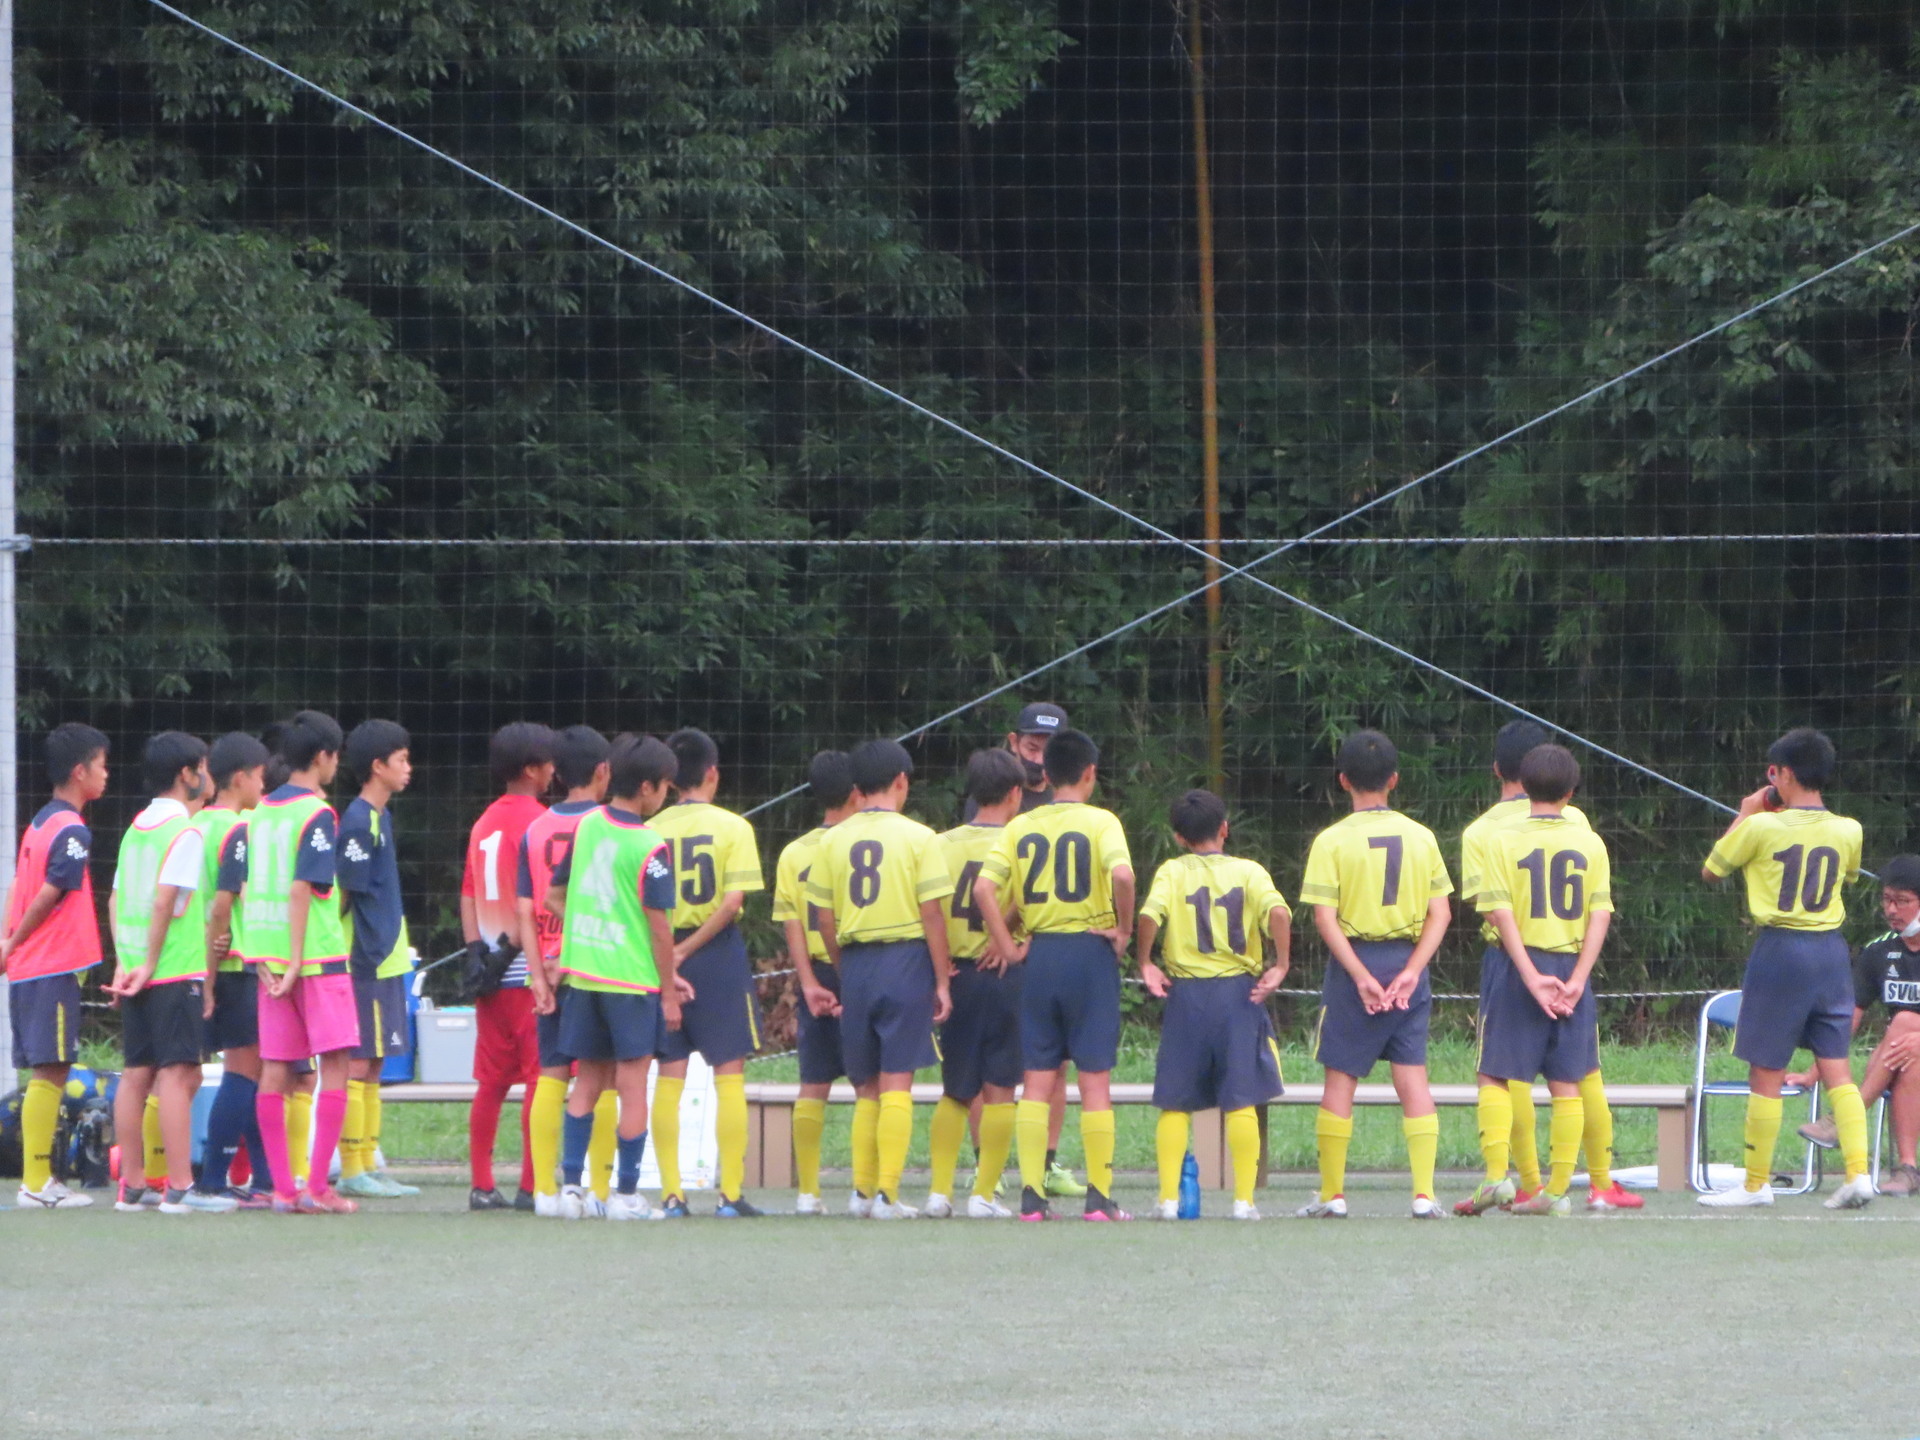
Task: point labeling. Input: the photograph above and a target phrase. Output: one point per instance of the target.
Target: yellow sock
(944, 1138)
(1850, 1117)
(893, 1133)
(1030, 1138)
(300, 1133)
(370, 1132)
(1598, 1139)
(809, 1123)
(1526, 1134)
(603, 1143)
(154, 1143)
(353, 1130)
(1423, 1150)
(39, 1117)
(666, 1131)
(1243, 1144)
(543, 1126)
(1170, 1140)
(1096, 1140)
(730, 1131)
(866, 1146)
(1496, 1130)
(1763, 1130)
(1333, 1133)
(1563, 1141)
(996, 1140)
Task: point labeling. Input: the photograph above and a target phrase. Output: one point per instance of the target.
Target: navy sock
(576, 1133)
(630, 1153)
(231, 1118)
(257, 1151)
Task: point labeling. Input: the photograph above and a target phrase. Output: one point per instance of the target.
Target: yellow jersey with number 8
(874, 870)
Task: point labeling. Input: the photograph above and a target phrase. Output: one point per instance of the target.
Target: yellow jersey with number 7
(1378, 869)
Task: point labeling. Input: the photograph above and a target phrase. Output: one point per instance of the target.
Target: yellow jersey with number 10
(1551, 872)
(874, 870)
(1378, 869)
(1797, 863)
(1055, 865)
(1212, 911)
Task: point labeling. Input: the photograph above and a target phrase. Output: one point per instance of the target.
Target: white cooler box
(443, 1044)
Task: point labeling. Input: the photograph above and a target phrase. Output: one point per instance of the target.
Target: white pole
(9, 717)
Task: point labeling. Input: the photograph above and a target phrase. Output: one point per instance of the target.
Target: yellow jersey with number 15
(1797, 863)
(1378, 869)
(874, 870)
(1055, 865)
(1551, 872)
(713, 852)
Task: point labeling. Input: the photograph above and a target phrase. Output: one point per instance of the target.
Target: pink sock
(271, 1110)
(329, 1119)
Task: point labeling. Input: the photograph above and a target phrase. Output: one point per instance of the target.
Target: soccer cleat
(396, 1190)
(1061, 1185)
(630, 1207)
(1165, 1210)
(886, 1209)
(1737, 1198)
(938, 1207)
(1033, 1205)
(1521, 1192)
(364, 1186)
(1334, 1209)
(1824, 1132)
(524, 1201)
(1856, 1194)
(674, 1207)
(131, 1200)
(1488, 1195)
(190, 1201)
(1905, 1180)
(478, 1199)
(982, 1207)
(571, 1204)
(738, 1208)
(1542, 1203)
(1425, 1207)
(1614, 1197)
(285, 1207)
(1101, 1207)
(859, 1206)
(809, 1205)
(54, 1197)
(1243, 1210)
(592, 1207)
(327, 1202)
(246, 1198)
(546, 1207)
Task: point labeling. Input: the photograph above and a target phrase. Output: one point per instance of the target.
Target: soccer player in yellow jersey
(1216, 1041)
(1798, 989)
(1065, 872)
(830, 780)
(980, 1043)
(1548, 891)
(716, 864)
(1379, 888)
(876, 882)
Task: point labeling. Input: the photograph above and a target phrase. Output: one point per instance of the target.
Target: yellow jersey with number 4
(1212, 911)
(790, 888)
(967, 848)
(1378, 869)
(1551, 872)
(874, 870)
(1796, 862)
(1055, 865)
(713, 852)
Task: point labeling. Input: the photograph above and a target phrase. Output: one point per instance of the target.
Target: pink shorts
(316, 1017)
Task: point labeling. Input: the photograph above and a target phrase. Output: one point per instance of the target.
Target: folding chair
(1722, 1012)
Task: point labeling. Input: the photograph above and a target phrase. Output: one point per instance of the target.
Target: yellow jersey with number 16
(1551, 872)
(1378, 869)
(1797, 863)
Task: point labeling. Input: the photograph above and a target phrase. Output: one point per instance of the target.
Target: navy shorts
(383, 1017)
(609, 1024)
(1797, 993)
(1352, 1041)
(45, 1015)
(980, 1043)
(1493, 963)
(162, 1025)
(546, 1029)
(1519, 1040)
(886, 1009)
(236, 1010)
(819, 1045)
(722, 1021)
(1070, 1003)
(1216, 1048)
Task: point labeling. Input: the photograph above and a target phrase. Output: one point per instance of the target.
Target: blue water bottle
(1189, 1189)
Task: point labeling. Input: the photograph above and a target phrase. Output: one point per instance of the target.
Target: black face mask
(1036, 774)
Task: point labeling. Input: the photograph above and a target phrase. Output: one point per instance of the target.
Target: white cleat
(572, 1204)
(983, 1207)
(1245, 1210)
(809, 1205)
(546, 1207)
(938, 1207)
(885, 1209)
(1164, 1210)
(1739, 1198)
(1426, 1208)
(1856, 1194)
(55, 1197)
(860, 1206)
(1334, 1209)
(629, 1207)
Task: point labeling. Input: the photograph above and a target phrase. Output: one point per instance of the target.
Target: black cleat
(478, 1199)
(524, 1201)
(1033, 1205)
(739, 1208)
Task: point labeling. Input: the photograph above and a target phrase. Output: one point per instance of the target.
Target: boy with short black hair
(877, 881)
(613, 893)
(1379, 888)
(293, 919)
(1797, 857)
(379, 752)
(507, 1040)
(1217, 1047)
(1064, 870)
(51, 940)
(980, 1043)
(830, 783)
(716, 863)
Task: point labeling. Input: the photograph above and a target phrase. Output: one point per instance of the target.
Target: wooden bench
(770, 1120)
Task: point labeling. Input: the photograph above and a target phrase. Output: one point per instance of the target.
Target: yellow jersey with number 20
(1796, 862)
(1055, 866)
